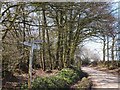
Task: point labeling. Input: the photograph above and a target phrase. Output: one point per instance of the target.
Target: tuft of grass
(84, 84)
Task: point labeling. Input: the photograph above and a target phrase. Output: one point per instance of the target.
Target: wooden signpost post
(33, 45)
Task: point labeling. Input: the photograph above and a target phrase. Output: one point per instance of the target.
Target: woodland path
(101, 79)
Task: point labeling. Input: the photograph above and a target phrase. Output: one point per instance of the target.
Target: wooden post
(33, 46)
(30, 66)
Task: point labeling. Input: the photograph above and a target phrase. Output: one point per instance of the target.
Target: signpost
(33, 45)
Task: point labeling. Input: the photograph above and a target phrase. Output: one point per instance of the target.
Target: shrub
(86, 61)
(68, 75)
(63, 79)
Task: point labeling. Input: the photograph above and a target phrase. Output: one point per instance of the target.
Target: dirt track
(102, 79)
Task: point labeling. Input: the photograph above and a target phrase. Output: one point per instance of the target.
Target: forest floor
(14, 81)
(102, 79)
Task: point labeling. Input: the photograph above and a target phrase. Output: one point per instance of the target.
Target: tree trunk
(108, 51)
(40, 53)
(49, 51)
(43, 35)
(112, 49)
(104, 51)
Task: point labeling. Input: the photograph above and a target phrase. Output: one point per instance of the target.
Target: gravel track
(101, 79)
